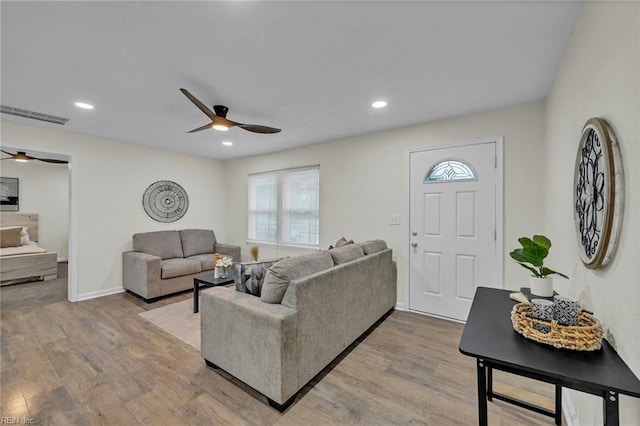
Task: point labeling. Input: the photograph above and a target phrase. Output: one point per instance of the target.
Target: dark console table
(489, 337)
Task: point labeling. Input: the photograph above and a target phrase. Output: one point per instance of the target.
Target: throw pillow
(373, 246)
(240, 277)
(346, 253)
(281, 273)
(249, 276)
(11, 237)
(343, 242)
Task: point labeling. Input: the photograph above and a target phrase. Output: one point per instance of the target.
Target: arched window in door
(450, 170)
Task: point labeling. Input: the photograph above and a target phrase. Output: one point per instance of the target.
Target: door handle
(414, 233)
(414, 244)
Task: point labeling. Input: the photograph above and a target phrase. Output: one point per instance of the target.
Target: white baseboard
(567, 409)
(400, 307)
(100, 293)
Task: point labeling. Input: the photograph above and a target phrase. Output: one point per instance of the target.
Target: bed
(27, 262)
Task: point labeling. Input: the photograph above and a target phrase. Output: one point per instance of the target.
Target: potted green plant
(531, 256)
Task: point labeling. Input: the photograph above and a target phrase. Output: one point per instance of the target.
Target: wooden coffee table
(206, 280)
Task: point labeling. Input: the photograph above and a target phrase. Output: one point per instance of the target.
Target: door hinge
(495, 162)
(495, 235)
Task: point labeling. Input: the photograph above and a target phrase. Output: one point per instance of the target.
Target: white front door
(453, 227)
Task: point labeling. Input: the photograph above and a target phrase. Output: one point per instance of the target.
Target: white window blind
(284, 207)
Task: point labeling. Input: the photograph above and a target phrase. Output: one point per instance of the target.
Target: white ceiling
(310, 68)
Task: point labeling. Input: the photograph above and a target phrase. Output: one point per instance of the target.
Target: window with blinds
(284, 207)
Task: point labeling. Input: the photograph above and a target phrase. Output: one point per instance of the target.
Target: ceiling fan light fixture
(220, 127)
(379, 104)
(21, 157)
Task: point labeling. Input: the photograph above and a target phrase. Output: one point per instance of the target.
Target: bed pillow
(11, 236)
(25, 235)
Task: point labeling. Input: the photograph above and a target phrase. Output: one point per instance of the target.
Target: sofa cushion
(178, 267)
(207, 261)
(249, 276)
(164, 244)
(346, 253)
(373, 246)
(197, 241)
(281, 273)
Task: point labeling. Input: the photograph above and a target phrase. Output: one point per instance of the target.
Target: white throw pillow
(25, 236)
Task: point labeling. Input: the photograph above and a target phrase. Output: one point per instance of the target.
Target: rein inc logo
(17, 421)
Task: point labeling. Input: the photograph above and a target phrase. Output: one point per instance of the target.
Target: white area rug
(177, 319)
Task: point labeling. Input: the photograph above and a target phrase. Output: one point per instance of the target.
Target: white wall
(109, 178)
(44, 189)
(599, 77)
(362, 180)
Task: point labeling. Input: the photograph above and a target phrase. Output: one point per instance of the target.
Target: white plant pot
(541, 286)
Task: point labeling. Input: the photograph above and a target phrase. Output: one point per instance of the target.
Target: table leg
(482, 392)
(558, 416)
(489, 382)
(195, 297)
(610, 405)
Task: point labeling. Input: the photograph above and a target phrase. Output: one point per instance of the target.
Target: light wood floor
(98, 362)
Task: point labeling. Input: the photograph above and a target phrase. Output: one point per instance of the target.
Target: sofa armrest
(250, 340)
(141, 273)
(228, 250)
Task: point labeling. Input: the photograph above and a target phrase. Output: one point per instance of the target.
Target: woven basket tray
(586, 336)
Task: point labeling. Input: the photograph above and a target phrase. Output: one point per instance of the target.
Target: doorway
(455, 225)
(67, 253)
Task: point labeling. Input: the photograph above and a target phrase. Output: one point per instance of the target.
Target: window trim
(280, 210)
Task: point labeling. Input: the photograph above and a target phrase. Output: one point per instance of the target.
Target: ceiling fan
(22, 156)
(219, 120)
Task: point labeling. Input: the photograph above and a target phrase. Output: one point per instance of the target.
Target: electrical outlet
(395, 220)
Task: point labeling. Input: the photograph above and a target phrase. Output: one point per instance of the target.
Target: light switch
(395, 220)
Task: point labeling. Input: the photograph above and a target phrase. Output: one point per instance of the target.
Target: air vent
(4, 109)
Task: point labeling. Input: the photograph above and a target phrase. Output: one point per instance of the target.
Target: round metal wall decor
(598, 193)
(165, 201)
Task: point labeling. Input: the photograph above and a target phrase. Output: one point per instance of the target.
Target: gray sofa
(311, 308)
(165, 262)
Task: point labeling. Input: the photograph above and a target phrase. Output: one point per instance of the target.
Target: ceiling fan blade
(205, 127)
(256, 128)
(199, 104)
(8, 153)
(50, 160)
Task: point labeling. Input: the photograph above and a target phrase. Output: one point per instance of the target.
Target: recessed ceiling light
(379, 104)
(83, 105)
(220, 127)
(227, 143)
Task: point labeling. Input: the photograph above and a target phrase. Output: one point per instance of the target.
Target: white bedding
(30, 248)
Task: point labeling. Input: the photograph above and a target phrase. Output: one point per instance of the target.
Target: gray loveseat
(318, 305)
(165, 262)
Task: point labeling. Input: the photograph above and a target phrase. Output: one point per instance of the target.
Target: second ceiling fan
(219, 120)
